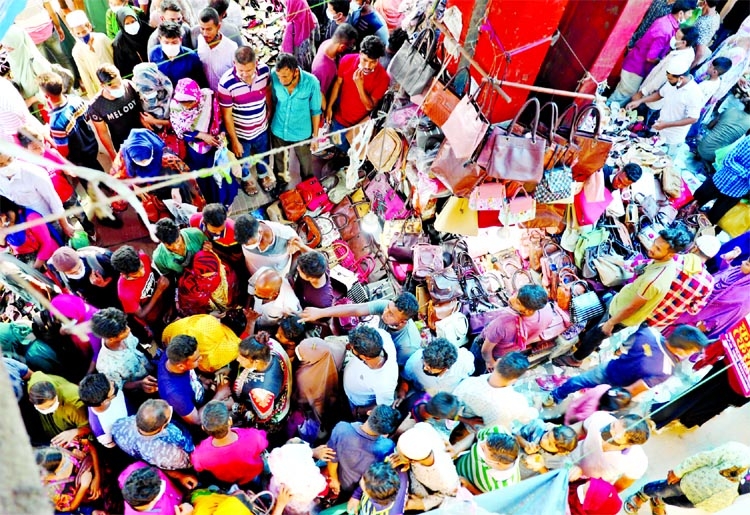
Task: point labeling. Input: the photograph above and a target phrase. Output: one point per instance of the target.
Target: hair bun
(263, 338)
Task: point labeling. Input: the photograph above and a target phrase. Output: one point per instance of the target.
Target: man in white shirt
(612, 449)
(432, 473)
(30, 186)
(272, 297)
(267, 243)
(492, 397)
(439, 367)
(371, 373)
(683, 102)
(215, 50)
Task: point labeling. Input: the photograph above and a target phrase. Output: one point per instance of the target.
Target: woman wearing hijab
(130, 45)
(196, 119)
(33, 245)
(26, 62)
(317, 377)
(206, 285)
(144, 155)
(298, 35)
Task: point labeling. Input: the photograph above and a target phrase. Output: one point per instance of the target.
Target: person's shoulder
(349, 60)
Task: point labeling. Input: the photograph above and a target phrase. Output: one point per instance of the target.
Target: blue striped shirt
(292, 116)
(69, 128)
(733, 178)
(248, 102)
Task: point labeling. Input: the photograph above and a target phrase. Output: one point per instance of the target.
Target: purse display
(428, 260)
(458, 175)
(385, 149)
(314, 195)
(466, 126)
(414, 66)
(488, 196)
(385, 201)
(444, 286)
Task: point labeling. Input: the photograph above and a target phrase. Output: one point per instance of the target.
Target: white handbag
(454, 328)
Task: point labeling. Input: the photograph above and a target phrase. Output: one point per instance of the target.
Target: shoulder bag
(584, 306)
(441, 100)
(385, 201)
(488, 196)
(413, 66)
(518, 209)
(385, 149)
(293, 205)
(428, 260)
(466, 126)
(593, 148)
(458, 175)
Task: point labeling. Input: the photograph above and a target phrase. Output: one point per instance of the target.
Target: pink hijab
(300, 22)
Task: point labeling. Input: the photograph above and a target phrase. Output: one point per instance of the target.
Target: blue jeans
(344, 145)
(593, 377)
(257, 145)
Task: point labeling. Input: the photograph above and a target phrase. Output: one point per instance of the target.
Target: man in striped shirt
(491, 463)
(68, 123)
(244, 97)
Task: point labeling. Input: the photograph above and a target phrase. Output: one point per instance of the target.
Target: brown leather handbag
(309, 231)
(439, 310)
(441, 100)
(594, 148)
(293, 205)
(459, 176)
(348, 222)
(444, 286)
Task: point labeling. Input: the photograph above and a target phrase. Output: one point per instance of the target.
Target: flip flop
(267, 183)
(249, 188)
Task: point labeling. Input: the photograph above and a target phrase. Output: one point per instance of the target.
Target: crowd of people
(232, 367)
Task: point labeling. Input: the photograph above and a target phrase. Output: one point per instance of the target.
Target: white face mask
(76, 275)
(353, 6)
(673, 43)
(170, 50)
(117, 92)
(145, 162)
(252, 246)
(133, 28)
(330, 15)
(51, 409)
(150, 95)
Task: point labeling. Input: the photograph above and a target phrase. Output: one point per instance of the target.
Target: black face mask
(432, 374)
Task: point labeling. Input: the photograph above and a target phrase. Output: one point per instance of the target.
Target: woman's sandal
(658, 507)
(633, 504)
(249, 187)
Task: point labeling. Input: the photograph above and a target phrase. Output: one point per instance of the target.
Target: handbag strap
(582, 116)
(553, 120)
(586, 288)
(546, 243)
(465, 89)
(535, 122)
(427, 35)
(571, 110)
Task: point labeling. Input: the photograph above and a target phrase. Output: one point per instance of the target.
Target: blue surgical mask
(86, 38)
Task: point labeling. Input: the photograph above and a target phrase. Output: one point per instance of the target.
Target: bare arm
(335, 90)
(234, 142)
(103, 132)
(631, 309)
(161, 286)
(344, 310)
(653, 97)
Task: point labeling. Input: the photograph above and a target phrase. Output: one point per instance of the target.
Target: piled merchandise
(462, 213)
(263, 27)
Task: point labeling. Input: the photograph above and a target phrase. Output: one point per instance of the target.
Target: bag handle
(572, 111)
(546, 243)
(534, 124)
(553, 120)
(426, 35)
(582, 116)
(466, 84)
(586, 288)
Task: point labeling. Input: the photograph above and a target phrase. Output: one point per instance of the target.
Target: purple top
(354, 452)
(324, 68)
(653, 45)
(75, 308)
(310, 296)
(166, 504)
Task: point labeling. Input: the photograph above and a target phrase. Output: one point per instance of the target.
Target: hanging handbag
(488, 196)
(402, 242)
(584, 306)
(385, 149)
(466, 127)
(444, 286)
(671, 181)
(454, 328)
(329, 231)
(518, 209)
(413, 66)
(293, 205)
(440, 100)
(360, 202)
(314, 195)
(566, 279)
(553, 260)
(309, 231)
(457, 217)
(385, 201)
(556, 185)
(611, 270)
(335, 186)
(506, 156)
(428, 260)
(588, 240)
(439, 311)
(458, 175)
(593, 147)
(587, 211)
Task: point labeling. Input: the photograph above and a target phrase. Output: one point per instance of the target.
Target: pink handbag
(685, 198)
(518, 209)
(386, 203)
(428, 260)
(588, 212)
(489, 196)
(465, 127)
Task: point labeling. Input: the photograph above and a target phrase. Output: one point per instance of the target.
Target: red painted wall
(516, 23)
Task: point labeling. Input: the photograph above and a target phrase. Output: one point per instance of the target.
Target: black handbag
(584, 306)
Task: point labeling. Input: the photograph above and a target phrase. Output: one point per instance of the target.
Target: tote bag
(465, 127)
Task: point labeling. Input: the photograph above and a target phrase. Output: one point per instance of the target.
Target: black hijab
(130, 49)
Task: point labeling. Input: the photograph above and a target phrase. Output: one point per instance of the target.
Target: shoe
(567, 361)
(633, 503)
(249, 187)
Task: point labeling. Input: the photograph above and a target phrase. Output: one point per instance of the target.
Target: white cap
(418, 442)
(76, 19)
(679, 65)
(708, 245)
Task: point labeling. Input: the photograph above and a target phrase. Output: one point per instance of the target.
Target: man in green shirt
(177, 247)
(62, 415)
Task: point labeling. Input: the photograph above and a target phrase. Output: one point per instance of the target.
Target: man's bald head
(152, 416)
(268, 284)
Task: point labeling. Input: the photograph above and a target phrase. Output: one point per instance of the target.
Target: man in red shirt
(141, 288)
(231, 455)
(360, 85)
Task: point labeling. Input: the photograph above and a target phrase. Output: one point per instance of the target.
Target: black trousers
(708, 191)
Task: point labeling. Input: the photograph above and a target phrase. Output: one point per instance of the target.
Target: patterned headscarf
(154, 88)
